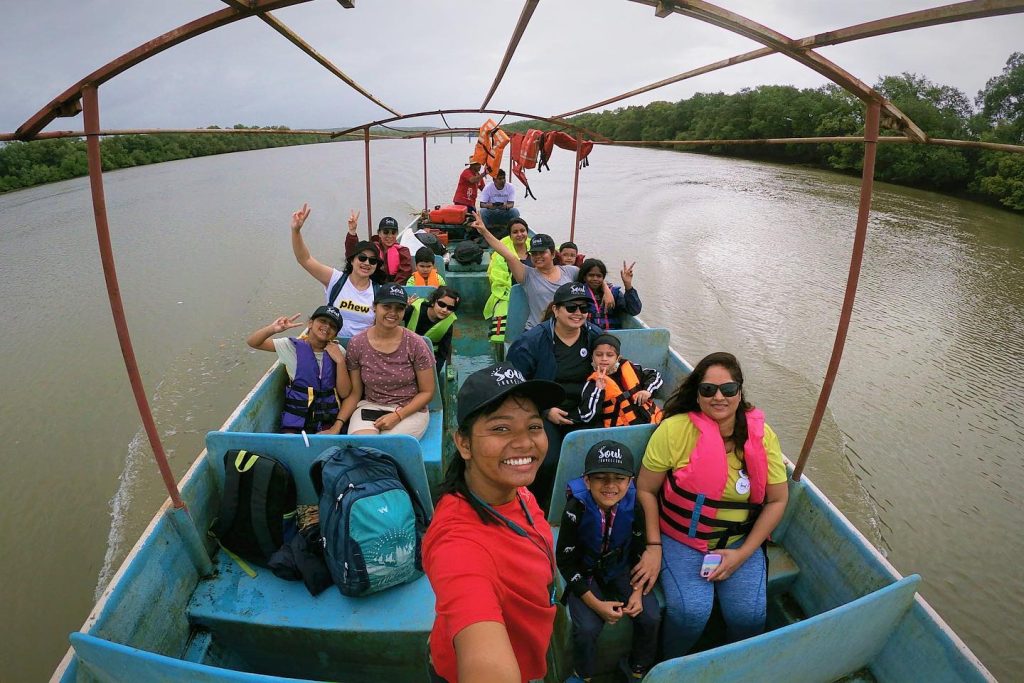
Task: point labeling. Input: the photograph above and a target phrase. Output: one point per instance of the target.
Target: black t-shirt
(573, 367)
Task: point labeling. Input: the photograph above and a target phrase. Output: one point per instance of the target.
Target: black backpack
(371, 519)
(430, 241)
(468, 253)
(257, 511)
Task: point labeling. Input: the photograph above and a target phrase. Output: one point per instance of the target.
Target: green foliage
(1002, 102)
(24, 164)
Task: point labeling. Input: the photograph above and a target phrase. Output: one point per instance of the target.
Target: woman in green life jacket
(434, 318)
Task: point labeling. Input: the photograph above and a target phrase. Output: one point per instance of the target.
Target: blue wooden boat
(179, 609)
(837, 608)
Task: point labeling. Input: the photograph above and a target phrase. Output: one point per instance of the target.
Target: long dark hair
(377, 276)
(455, 475)
(588, 266)
(684, 399)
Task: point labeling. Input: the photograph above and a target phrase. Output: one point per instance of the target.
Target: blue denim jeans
(493, 217)
(689, 597)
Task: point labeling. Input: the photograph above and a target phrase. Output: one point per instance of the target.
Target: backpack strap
(258, 506)
(336, 289)
(229, 501)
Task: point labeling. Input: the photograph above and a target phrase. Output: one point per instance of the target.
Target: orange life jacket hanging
(490, 146)
(525, 154)
(565, 141)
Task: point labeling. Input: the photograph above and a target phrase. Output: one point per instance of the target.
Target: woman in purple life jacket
(317, 377)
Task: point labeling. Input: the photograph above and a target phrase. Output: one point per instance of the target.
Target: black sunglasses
(372, 260)
(572, 308)
(393, 231)
(447, 307)
(729, 389)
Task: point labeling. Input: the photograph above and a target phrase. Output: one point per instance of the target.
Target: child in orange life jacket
(426, 274)
(602, 536)
(618, 392)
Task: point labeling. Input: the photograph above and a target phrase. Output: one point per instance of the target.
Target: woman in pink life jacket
(713, 481)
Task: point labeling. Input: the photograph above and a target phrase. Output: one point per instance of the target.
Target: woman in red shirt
(489, 552)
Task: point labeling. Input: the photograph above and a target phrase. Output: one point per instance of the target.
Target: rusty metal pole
(90, 102)
(575, 191)
(426, 206)
(866, 186)
(366, 147)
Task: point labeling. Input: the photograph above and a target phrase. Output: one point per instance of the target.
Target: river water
(920, 447)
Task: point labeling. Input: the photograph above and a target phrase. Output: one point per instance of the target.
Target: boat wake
(119, 505)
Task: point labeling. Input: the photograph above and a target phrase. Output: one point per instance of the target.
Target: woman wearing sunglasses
(434, 318)
(395, 260)
(558, 349)
(712, 457)
(352, 290)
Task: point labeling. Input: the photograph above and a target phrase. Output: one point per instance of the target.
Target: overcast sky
(419, 55)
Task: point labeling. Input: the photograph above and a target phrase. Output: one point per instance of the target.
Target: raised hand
(627, 275)
(353, 221)
(285, 323)
(299, 217)
(478, 224)
(600, 380)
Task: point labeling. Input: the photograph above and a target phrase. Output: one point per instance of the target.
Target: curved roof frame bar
(294, 38)
(740, 25)
(963, 11)
(504, 112)
(513, 43)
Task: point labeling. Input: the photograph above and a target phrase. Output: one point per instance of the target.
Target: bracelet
(658, 543)
(398, 412)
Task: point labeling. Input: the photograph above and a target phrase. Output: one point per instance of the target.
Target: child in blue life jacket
(601, 539)
(317, 376)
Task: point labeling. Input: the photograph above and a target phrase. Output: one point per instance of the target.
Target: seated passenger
(434, 318)
(557, 349)
(713, 451)
(350, 290)
(539, 282)
(627, 300)
(426, 274)
(601, 538)
(392, 373)
(310, 404)
(618, 392)
(569, 254)
(496, 203)
(496, 308)
(395, 260)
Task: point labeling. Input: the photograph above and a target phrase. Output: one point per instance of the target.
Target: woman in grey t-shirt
(539, 282)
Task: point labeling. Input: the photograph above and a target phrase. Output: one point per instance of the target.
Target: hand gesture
(731, 561)
(386, 422)
(608, 299)
(478, 224)
(609, 610)
(299, 217)
(353, 221)
(558, 416)
(285, 323)
(645, 573)
(627, 275)
(641, 397)
(601, 380)
(635, 604)
(334, 351)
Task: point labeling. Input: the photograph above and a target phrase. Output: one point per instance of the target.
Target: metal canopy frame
(70, 103)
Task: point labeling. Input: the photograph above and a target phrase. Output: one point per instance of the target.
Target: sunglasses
(372, 260)
(447, 307)
(729, 389)
(573, 308)
(388, 231)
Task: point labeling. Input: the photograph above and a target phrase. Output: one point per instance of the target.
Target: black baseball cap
(387, 223)
(330, 313)
(571, 291)
(540, 242)
(609, 339)
(493, 383)
(391, 294)
(609, 456)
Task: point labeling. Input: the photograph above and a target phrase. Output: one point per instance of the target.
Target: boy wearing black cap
(618, 392)
(396, 260)
(316, 380)
(601, 539)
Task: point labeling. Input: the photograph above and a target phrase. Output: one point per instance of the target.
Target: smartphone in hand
(711, 562)
(371, 415)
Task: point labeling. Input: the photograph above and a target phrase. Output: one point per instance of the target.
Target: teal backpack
(371, 520)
